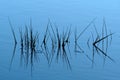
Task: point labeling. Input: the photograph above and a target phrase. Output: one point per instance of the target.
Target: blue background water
(64, 13)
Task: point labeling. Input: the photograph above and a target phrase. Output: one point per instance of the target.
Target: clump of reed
(101, 42)
(55, 44)
(29, 45)
(78, 49)
(58, 43)
(63, 41)
(15, 43)
(44, 46)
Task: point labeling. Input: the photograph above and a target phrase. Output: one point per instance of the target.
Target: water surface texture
(59, 40)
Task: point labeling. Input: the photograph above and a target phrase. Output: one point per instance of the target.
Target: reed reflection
(55, 45)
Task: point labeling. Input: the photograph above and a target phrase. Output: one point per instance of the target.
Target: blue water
(63, 13)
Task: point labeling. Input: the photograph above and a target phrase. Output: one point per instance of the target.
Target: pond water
(59, 40)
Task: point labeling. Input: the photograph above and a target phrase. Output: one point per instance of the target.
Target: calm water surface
(64, 13)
